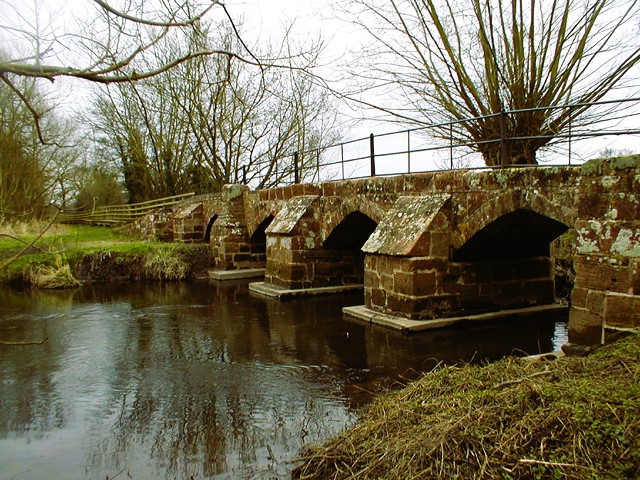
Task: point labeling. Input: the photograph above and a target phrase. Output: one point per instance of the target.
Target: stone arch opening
(351, 233)
(341, 259)
(506, 264)
(207, 233)
(258, 239)
(518, 234)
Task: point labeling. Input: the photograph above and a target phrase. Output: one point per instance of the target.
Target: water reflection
(203, 380)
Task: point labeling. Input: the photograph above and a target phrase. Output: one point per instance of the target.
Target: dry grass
(575, 418)
(58, 275)
(165, 264)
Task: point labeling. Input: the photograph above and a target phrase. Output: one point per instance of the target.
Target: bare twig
(33, 342)
(31, 244)
(520, 380)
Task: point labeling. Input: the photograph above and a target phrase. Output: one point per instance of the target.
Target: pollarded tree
(448, 61)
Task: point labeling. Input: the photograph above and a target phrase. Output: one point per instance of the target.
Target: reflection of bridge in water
(439, 245)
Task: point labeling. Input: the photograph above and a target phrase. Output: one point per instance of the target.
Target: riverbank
(573, 418)
(69, 254)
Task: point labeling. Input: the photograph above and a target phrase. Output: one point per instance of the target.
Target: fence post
(451, 146)
(296, 178)
(342, 158)
(570, 133)
(318, 163)
(408, 151)
(373, 155)
(503, 140)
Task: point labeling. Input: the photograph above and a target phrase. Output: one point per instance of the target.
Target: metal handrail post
(503, 141)
(373, 155)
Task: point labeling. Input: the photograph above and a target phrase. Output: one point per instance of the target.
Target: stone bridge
(449, 244)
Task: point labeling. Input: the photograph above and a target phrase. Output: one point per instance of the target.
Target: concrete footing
(269, 290)
(363, 314)
(223, 275)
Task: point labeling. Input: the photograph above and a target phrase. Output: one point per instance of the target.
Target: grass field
(26, 256)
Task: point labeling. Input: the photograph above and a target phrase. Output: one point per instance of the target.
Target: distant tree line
(181, 103)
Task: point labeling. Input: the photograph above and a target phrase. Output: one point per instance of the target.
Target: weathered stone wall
(154, 226)
(448, 243)
(187, 223)
(606, 294)
(230, 241)
(428, 287)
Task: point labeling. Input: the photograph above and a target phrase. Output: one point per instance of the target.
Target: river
(202, 380)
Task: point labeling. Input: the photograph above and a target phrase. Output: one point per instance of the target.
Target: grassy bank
(575, 418)
(66, 254)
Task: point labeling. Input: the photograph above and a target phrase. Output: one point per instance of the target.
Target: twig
(272, 457)
(17, 255)
(25, 243)
(34, 342)
(520, 380)
(547, 464)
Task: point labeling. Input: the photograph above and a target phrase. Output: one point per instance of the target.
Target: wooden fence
(114, 215)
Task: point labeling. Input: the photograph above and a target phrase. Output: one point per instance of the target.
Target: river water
(202, 380)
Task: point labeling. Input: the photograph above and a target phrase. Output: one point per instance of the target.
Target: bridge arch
(351, 233)
(512, 207)
(340, 259)
(207, 232)
(259, 236)
(335, 212)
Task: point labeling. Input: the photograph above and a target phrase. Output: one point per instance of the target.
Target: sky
(262, 20)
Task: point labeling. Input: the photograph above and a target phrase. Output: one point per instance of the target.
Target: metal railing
(407, 151)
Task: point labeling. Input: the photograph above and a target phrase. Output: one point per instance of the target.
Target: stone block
(598, 273)
(463, 290)
(585, 327)
(501, 271)
(386, 281)
(371, 279)
(477, 272)
(539, 267)
(440, 244)
(425, 283)
(436, 306)
(400, 304)
(538, 291)
(622, 310)
(579, 297)
(595, 302)
(420, 264)
(511, 293)
(626, 206)
(489, 290)
(634, 273)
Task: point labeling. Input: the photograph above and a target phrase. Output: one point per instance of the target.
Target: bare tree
(447, 61)
(109, 45)
(216, 120)
(32, 174)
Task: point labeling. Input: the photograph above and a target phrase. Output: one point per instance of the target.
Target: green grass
(75, 242)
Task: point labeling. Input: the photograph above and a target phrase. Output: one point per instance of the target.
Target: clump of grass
(575, 418)
(58, 275)
(165, 264)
